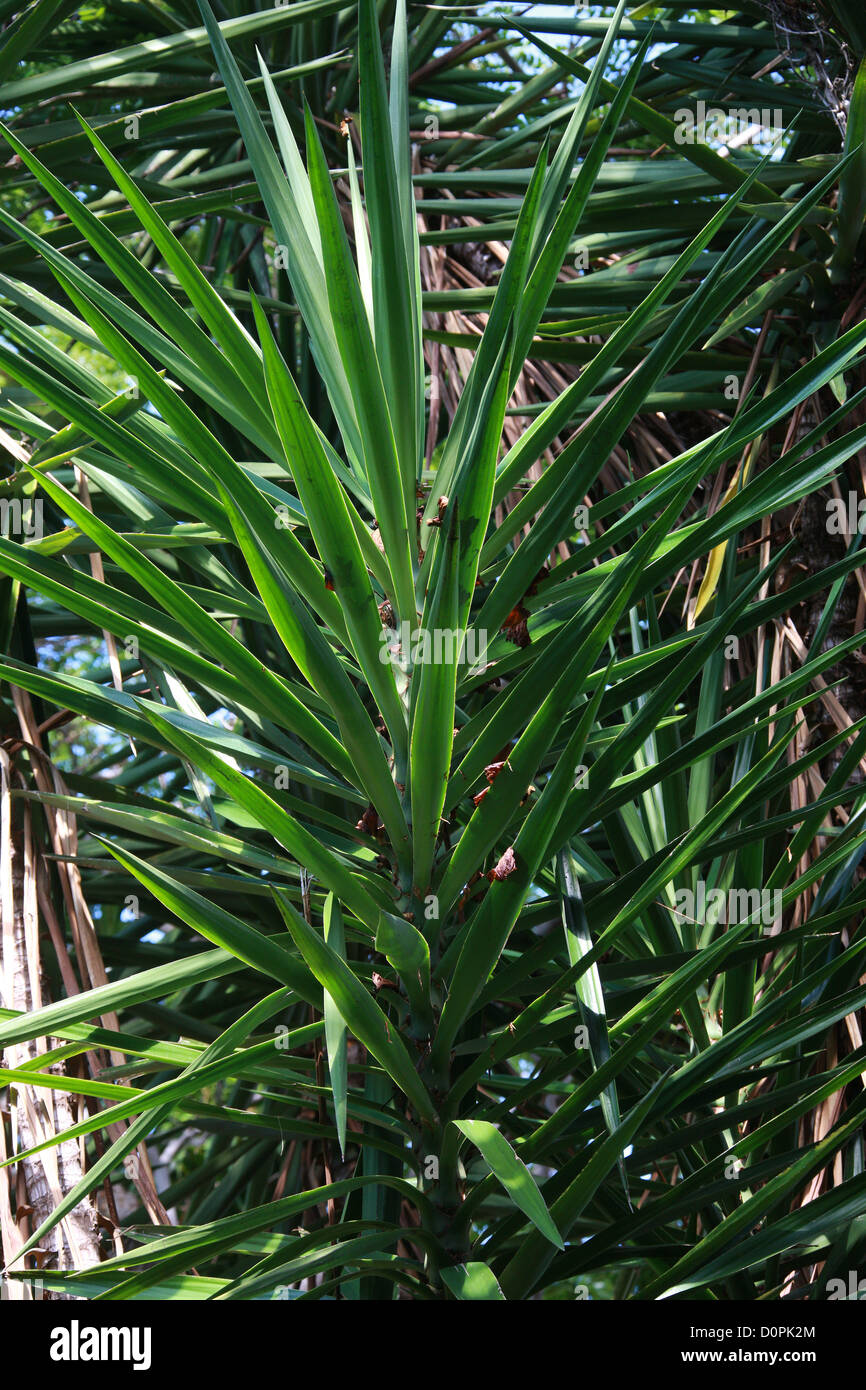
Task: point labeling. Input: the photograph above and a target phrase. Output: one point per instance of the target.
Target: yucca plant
(460, 802)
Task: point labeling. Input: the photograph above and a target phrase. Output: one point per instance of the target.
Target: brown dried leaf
(505, 868)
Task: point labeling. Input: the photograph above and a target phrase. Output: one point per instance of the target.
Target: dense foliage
(434, 723)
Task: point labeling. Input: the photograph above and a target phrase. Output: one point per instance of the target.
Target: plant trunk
(31, 1189)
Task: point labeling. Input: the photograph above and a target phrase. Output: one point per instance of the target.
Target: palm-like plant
(455, 1034)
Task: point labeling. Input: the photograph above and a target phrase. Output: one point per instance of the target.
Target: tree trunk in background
(30, 1190)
